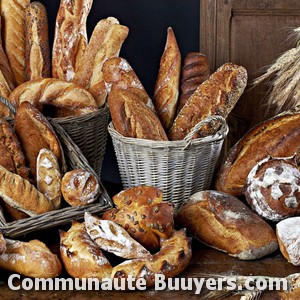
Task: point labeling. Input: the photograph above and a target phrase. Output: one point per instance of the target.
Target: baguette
(13, 18)
(216, 96)
(81, 257)
(37, 54)
(2, 243)
(70, 38)
(31, 259)
(166, 90)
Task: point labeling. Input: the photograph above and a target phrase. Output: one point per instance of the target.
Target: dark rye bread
(223, 222)
(216, 96)
(276, 137)
(132, 118)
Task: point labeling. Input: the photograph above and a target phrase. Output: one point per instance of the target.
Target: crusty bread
(65, 98)
(216, 96)
(70, 39)
(118, 74)
(48, 176)
(37, 54)
(133, 118)
(195, 71)
(81, 257)
(106, 42)
(223, 222)
(2, 243)
(22, 195)
(80, 187)
(277, 137)
(111, 237)
(174, 256)
(13, 18)
(148, 217)
(31, 259)
(288, 235)
(35, 133)
(166, 89)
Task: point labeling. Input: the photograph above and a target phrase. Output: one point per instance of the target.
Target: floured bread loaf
(288, 235)
(223, 222)
(273, 188)
(31, 259)
(81, 257)
(111, 237)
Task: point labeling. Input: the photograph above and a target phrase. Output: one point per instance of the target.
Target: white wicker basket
(178, 168)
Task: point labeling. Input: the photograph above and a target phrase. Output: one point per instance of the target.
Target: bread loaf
(70, 39)
(174, 256)
(288, 235)
(273, 188)
(65, 98)
(13, 18)
(80, 187)
(132, 118)
(195, 71)
(22, 195)
(35, 133)
(37, 54)
(48, 176)
(216, 96)
(142, 213)
(106, 42)
(223, 222)
(118, 74)
(276, 137)
(2, 243)
(111, 237)
(81, 257)
(31, 259)
(166, 90)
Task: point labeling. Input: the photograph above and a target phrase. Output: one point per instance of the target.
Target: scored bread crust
(81, 257)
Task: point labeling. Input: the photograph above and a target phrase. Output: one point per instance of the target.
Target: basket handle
(222, 131)
(9, 105)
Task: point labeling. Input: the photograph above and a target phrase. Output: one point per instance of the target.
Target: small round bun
(273, 188)
(79, 187)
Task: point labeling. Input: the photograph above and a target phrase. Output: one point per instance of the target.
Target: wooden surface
(204, 261)
(250, 33)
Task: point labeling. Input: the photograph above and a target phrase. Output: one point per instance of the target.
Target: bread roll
(166, 90)
(118, 74)
(273, 188)
(174, 256)
(31, 259)
(195, 71)
(132, 118)
(35, 133)
(2, 243)
(48, 176)
(37, 54)
(80, 187)
(277, 137)
(70, 39)
(216, 96)
(142, 213)
(65, 98)
(13, 18)
(106, 42)
(223, 222)
(111, 237)
(288, 235)
(81, 257)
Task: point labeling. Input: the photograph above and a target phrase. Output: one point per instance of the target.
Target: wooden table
(204, 261)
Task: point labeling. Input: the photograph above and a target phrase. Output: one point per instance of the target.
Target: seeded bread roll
(223, 222)
(31, 259)
(81, 257)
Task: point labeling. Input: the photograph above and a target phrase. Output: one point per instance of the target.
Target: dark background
(147, 21)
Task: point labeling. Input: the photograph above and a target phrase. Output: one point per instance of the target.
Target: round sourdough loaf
(273, 188)
(223, 222)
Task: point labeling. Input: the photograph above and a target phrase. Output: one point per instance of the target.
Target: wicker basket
(178, 168)
(74, 159)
